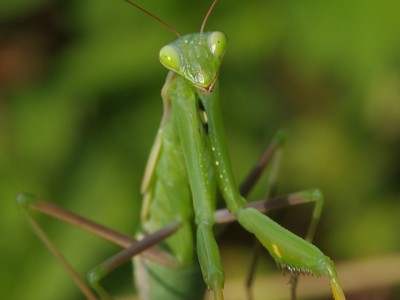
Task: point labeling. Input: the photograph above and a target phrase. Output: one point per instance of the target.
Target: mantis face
(196, 57)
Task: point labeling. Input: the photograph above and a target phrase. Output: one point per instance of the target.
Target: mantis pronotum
(188, 166)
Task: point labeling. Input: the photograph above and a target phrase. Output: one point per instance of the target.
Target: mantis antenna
(157, 18)
(207, 15)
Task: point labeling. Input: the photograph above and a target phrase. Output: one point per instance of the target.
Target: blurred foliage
(80, 104)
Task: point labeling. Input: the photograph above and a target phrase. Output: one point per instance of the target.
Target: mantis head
(196, 57)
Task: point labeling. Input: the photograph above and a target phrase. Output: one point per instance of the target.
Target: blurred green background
(80, 104)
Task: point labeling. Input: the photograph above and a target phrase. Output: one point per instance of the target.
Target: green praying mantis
(175, 251)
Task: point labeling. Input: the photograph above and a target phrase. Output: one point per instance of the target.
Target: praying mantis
(175, 251)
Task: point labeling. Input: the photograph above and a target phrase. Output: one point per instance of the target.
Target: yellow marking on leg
(276, 250)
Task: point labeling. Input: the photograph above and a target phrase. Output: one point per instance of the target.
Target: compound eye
(217, 43)
(170, 58)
